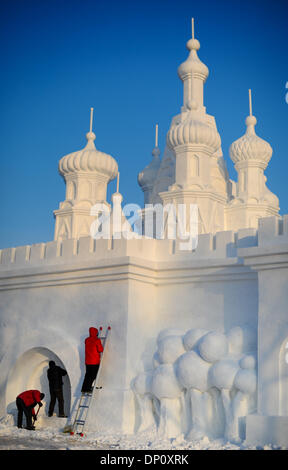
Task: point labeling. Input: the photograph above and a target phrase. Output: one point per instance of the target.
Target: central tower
(201, 177)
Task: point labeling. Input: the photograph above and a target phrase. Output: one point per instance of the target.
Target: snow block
(102, 247)
(22, 254)
(146, 245)
(85, 247)
(268, 229)
(119, 247)
(7, 256)
(273, 230)
(265, 430)
(37, 252)
(225, 245)
(285, 225)
(52, 249)
(69, 248)
(246, 237)
(162, 248)
(205, 244)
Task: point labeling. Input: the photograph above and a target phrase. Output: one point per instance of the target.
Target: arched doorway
(30, 372)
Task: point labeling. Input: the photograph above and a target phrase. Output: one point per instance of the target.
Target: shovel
(35, 417)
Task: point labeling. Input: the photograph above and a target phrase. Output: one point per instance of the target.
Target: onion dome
(147, 176)
(89, 159)
(192, 127)
(193, 65)
(250, 146)
(193, 131)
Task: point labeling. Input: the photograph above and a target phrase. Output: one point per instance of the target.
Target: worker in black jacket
(55, 374)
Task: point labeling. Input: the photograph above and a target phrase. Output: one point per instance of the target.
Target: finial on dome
(250, 146)
(250, 102)
(90, 135)
(251, 120)
(117, 197)
(156, 151)
(118, 178)
(193, 44)
(156, 135)
(91, 119)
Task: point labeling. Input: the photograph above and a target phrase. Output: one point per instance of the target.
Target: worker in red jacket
(93, 350)
(26, 402)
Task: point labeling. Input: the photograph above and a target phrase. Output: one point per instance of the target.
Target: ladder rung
(83, 406)
(80, 421)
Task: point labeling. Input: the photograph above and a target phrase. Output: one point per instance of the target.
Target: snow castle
(199, 335)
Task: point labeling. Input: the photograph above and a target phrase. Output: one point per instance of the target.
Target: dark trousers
(56, 394)
(90, 376)
(27, 410)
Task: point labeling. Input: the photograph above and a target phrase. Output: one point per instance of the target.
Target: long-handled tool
(35, 416)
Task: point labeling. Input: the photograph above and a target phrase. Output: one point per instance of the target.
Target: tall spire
(192, 21)
(250, 102)
(91, 119)
(192, 127)
(196, 143)
(156, 136)
(193, 74)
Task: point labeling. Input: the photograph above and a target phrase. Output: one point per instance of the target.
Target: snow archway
(30, 372)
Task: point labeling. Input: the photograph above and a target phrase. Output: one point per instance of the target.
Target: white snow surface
(49, 435)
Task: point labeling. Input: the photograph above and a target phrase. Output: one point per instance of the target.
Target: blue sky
(61, 57)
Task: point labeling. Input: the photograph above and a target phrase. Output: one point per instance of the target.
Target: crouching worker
(55, 374)
(93, 350)
(26, 402)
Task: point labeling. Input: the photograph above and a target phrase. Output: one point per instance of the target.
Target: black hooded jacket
(55, 374)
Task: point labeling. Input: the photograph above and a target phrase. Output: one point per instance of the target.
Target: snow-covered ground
(49, 435)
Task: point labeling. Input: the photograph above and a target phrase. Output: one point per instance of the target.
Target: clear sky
(60, 57)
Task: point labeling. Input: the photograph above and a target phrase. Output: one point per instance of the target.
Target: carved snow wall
(203, 384)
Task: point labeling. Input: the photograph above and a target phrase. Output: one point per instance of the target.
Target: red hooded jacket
(30, 397)
(93, 348)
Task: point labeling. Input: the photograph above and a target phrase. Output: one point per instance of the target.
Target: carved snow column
(253, 200)
(194, 138)
(87, 173)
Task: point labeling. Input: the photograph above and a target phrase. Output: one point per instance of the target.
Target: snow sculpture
(169, 349)
(192, 337)
(192, 373)
(141, 386)
(203, 383)
(166, 388)
(213, 346)
(222, 376)
(235, 377)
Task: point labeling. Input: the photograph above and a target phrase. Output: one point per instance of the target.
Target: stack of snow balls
(200, 359)
(203, 348)
(164, 383)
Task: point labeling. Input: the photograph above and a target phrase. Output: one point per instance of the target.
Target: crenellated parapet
(272, 232)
